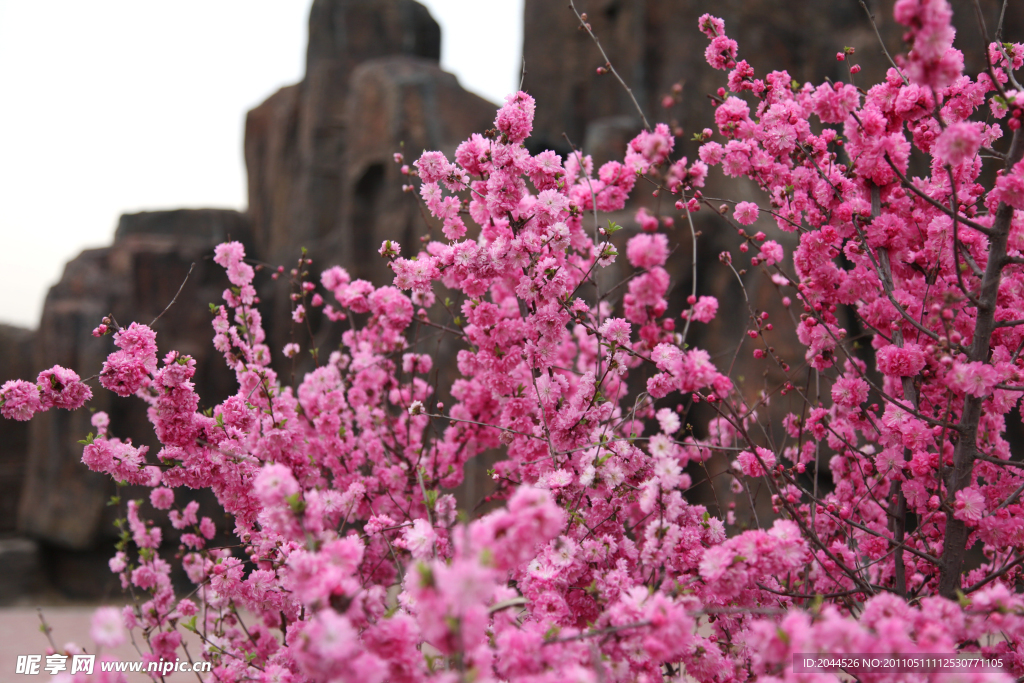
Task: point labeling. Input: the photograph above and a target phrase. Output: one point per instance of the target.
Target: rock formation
(321, 175)
(134, 279)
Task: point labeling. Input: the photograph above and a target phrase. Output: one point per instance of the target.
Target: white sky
(115, 106)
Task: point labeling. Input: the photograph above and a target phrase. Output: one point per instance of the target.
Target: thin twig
(175, 296)
(608, 64)
(46, 628)
(871, 18)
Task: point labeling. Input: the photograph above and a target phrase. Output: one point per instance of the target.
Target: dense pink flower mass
(352, 561)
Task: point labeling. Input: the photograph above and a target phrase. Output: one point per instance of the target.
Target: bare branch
(175, 296)
(608, 64)
(881, 43)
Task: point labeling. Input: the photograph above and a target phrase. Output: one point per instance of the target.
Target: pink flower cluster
(54, 388)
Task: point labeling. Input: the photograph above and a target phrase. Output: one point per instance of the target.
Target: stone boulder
(295, 141)
(134, 279)
(16, 362)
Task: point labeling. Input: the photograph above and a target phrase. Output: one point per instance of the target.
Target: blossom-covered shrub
(355, 564)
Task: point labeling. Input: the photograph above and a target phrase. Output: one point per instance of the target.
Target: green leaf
(89, 438)
(296, 503)
(426, 574)
(613, 227)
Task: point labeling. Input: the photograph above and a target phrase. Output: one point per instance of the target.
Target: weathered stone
(22, 575)
(16, 362)
(295, 142)
(655, 43)
(396, 104)
(134, 279)
(273, 166)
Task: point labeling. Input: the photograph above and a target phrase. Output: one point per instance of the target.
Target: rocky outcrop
(133, 279)
(655, 43)
(16, 362)
(321, 175)
(295, 142)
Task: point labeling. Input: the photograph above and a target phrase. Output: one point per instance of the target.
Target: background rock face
(133, 279)
(296, 141)
(321, 175)
(15, 363)
(655, 43)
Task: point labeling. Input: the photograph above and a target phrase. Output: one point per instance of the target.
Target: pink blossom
(101, 421)
(647, 222)
(976, 379)
(275, 484)
(970, 505)
(721, 52)
(748, 463)
(711, 26)
(834, 102)
(227, 253)
(107, 628)
(958, 143)
(647, 251)
(1009, 188)
(432, 166)
(19, 400)
(62, 388)
(850, 391)
(515, 118)
(161, 498)
(901, 362)
(419, 539)
(616, 330)
(705, 310)
(746, 213)
(771, 253)
(668, 420)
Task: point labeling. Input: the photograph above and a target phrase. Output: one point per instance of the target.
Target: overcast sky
(115, 106)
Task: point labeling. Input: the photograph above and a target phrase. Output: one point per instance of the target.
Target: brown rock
(134, 279)
(16, 362)
(20, 559)
(397, 104)
(655, 43)
(295, 141)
